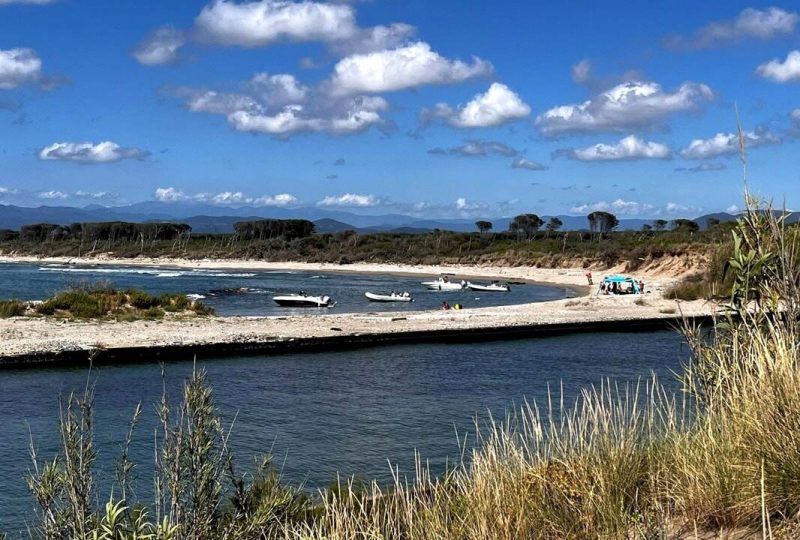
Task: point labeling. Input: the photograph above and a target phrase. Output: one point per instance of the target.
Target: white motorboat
(444, 283)
(303, 300)
(393, 297)
(494, 286)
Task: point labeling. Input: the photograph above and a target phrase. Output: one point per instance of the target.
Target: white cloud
(281, 199)
(406, 67)
(281, 106)
(582, 71)
(259, 23)
(472, 148)
(350, 200)
(229, 197)
(213, 102)
(86, 152)
(170, 194)
(781, 72)
(225, 198)
(463, 205)
(98, 195)
(522, 163)
(160, 47)
(52, 195)
(8, 191)
(278, 90)
(376, 38)
(732, 209)
(632, 104)
(632, 208)
(630, 148)
(355, 116)
(18, 67)
(496, 106)
(725, 144)
(750, 23)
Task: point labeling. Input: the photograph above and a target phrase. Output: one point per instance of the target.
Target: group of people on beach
(446, 306)
(621, 288)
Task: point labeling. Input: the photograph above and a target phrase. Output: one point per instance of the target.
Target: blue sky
(446, 109)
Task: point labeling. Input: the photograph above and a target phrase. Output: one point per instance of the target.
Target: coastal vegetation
(631, 461)
(530, 242)
(102, 301)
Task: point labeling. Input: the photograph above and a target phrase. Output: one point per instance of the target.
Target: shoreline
(572, 278)
(29, 342)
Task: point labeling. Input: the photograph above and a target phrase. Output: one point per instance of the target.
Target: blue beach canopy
(622, 279)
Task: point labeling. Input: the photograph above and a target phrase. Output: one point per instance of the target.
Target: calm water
(345, 412)
(250, 293)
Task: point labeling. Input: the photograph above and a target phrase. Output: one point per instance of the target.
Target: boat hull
(303, 302)
(437, 286)
(372, 297)
(488, 288)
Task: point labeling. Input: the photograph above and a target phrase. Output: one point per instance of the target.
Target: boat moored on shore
(494, 286)
(304, 300)
(444, 283)
(392, 297)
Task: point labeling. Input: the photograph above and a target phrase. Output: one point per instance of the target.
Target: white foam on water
(150, 271)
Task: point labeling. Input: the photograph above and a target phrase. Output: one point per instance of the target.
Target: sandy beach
(29, 337)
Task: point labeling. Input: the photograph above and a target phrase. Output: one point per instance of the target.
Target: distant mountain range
(215, 219)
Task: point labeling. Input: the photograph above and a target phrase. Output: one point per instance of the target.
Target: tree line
(527, 225)
(122, 231)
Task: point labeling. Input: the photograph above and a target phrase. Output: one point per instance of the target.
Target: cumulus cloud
(631, 208)
(781, 71)
(726, 144)
(225, 198)
(170, 194)
(281, 199)
(523, 163)
(281, 106)
(405, 67)
(376, 38)
(52, 195)
(277, 90)
(703, 167)
(259, 23)
(97, 195)
(630, 148)
(633, 104)
(160, 47)
(89, 153)
(496, 106)
(350, 200)
(19, 67)
(473, 148)
(761, 24)
(463, 205)
(357, 116)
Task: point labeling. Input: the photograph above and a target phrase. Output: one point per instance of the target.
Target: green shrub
(153, 313)
(142, 300)
(200, 308)
(12, 308)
